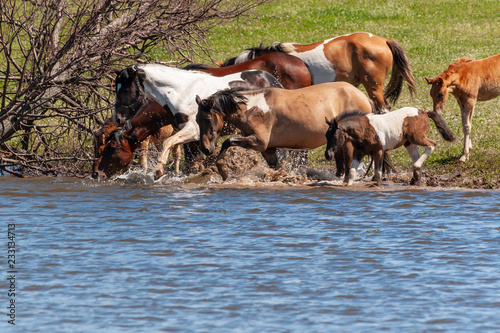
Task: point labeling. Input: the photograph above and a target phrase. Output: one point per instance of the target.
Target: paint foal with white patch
(275, 118)
(370, 134)
(175, 89)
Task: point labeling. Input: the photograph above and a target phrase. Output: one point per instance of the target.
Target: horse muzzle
(329, 154)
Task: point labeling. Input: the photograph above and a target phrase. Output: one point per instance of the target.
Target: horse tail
(401, 71)
(387, 166)
(445, 131)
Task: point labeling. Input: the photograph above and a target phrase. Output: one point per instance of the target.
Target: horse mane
(454, 67)
(348, 114)
(196, 66)
(226, 102)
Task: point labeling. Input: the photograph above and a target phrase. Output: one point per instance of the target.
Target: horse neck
(149, 120)
(239, 118)
(169, 85)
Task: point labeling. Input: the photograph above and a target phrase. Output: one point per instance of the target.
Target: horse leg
(176, 155)
(466, 110)
(143, 154)
(356, 161)
(378, 158)
(189, 133)
(271, 157)
(418, 160)
(375, 91)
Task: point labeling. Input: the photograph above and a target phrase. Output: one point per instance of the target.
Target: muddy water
(193, 255)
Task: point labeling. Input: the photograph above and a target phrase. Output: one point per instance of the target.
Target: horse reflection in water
(362, 134)
(114, 148)
(274, 118)
(358, 58)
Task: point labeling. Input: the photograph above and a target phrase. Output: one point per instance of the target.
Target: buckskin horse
(290, 71)
(273, 118)
(358, 58)
(175, 89)
(468, 81)
(364, 134)
(114, 148)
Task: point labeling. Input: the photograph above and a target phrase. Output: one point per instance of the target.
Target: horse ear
(328, 122)
(133, 71)
(198, 100)
(211, 102)
(429, 81)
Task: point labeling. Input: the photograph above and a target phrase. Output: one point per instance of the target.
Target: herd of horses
(289, 96)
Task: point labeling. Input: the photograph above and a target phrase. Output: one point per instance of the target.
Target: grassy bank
(433, 33)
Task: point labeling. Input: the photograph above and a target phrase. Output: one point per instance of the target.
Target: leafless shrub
(57, 65)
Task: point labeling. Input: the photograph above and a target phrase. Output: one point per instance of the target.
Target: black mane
(226, 102)
(196, 66)
(253, 51)
(348, 114)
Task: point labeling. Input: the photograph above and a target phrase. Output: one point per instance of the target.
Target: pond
(182, 257)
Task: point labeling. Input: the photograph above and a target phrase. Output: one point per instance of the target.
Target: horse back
(479, 78)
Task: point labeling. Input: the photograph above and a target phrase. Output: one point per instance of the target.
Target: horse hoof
(158, 174)
(464, 158)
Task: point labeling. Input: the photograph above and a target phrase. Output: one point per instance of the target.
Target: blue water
(112, 257)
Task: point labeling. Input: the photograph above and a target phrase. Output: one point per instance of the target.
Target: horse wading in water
(364, 134)
(275, 118)
(468, 81)
(358, 58)
(114, 148)
(175, 89)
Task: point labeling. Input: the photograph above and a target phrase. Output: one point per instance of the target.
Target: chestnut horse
(290, 71)
(364, 134)
(273, 118)
(114, 148)
(358, 58)
(175, 89)
(468, 81)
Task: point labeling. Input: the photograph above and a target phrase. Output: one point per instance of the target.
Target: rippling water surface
(113, 257)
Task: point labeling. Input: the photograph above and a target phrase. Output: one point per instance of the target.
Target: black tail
(445, 131)
(401, 71)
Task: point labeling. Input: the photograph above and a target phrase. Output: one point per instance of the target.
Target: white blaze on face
(257, 100)
(389, 126)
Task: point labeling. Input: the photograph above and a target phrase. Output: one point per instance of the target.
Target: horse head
(439, 92)
(210, 122)
(213, 112)
(115, 156)
(129, 94)
(335, 138)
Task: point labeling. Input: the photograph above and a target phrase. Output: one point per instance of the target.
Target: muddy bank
(247, 168)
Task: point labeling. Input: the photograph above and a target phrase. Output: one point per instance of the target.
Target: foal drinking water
(369, 134)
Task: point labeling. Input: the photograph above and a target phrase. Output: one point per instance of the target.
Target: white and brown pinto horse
(364, 134)
(468, 81)
(273, 118)
(175, 89)
(358, 58)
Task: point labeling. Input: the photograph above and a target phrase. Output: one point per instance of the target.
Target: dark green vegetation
(433, 33)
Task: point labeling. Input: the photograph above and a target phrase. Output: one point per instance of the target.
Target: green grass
(433, 33)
